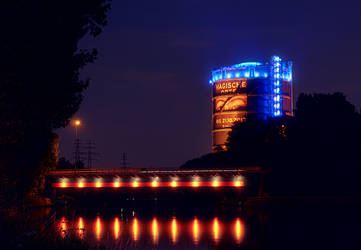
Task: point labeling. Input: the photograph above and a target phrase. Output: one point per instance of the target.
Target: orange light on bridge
(135, 184)
(173, 184)
(63, 183)
(155, 230)
(116, 228)
(116, 184)
(238, 231)
(80, 184)
(215, 183)
(98, 183)
(155, 183)
(174, 230)
(238, 184)
(195, 183)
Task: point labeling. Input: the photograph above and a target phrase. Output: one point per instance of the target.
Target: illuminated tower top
(276, 72)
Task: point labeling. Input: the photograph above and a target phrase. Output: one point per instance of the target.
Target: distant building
(263, 89)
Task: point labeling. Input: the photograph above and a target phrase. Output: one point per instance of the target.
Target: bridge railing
(171, 171)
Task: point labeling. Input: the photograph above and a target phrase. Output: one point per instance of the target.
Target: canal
(153, 227)
(305, 224)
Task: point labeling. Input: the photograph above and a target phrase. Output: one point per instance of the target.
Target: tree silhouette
(40, 84)
(66, 164)
(317, 151)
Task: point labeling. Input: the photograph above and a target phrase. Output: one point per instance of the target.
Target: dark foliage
(66, 164)
(35, 229)
(40, 87)
(317, 151)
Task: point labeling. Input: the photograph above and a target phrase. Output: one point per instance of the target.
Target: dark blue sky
(149, 95)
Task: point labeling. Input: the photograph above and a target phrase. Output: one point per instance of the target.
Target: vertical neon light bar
(276, 73)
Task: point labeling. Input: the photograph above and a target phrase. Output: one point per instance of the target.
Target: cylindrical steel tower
(250, 88)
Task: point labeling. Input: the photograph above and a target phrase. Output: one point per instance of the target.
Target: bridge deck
(153, 178)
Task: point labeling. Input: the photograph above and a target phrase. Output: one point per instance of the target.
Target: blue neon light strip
(246, 64)
(235, 74)
(248, 70)
(276, 80)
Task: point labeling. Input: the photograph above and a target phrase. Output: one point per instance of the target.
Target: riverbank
(306, 200)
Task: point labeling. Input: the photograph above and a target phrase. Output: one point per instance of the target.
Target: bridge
(235, 178)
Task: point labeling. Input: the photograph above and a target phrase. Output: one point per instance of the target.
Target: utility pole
(76, 124)
(76, 153)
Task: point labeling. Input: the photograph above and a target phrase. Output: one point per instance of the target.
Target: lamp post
(76, 124)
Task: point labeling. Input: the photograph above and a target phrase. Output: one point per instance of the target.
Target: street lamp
(76, 124)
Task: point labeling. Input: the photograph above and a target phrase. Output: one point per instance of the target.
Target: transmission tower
(91, 155)
(124, 162)
(84, 155)
(76, 153)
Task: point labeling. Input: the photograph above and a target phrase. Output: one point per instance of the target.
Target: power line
(124, 162)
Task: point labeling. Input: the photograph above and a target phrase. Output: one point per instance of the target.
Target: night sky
(149, 95)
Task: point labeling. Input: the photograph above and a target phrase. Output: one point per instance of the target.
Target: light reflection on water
(238, 231)
(174, 230)
(216, 230)
(98, 228)
(63, 227)
(116, 228)
(154, 230)
(135, 229)
(81, 228)
(195, 231)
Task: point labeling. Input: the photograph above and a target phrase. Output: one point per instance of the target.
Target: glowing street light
(154, 183)
(195, 182)
(98, 183)
(63, 183)
(215, 183)
(76, 124)
(238, 181)
(80, 184)
(135, 183)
